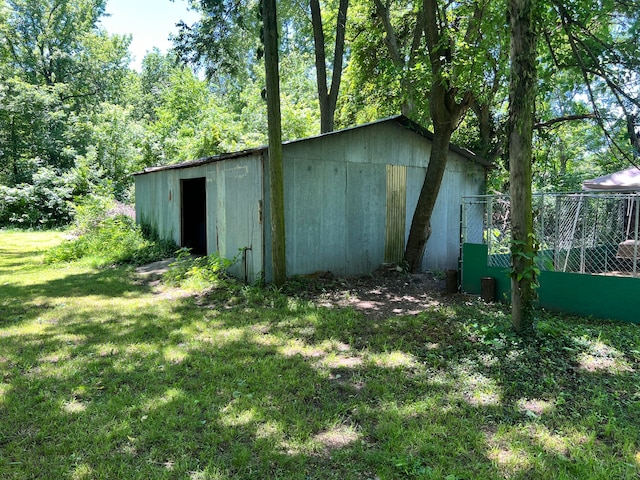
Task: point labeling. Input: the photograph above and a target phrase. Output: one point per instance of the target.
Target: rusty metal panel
(396, 213)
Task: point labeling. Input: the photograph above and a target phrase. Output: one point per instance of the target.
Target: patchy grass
(103, 377)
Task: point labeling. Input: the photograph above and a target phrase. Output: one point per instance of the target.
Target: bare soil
(382, 294)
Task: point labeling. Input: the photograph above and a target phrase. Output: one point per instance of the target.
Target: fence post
(463, 220)
(541, 207)
(635, 240)
(556, 237)
(585, 209)
(489, 210)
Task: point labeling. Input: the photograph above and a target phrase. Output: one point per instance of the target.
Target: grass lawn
(103, 377)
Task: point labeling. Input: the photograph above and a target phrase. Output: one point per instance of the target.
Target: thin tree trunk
(328, 98)
(276, 181)
(14, 152)
(404, 64)
(521, 111)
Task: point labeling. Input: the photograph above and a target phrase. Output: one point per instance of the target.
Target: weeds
(198, 272)
(106, 234)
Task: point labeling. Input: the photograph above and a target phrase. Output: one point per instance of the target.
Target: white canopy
(627, 180)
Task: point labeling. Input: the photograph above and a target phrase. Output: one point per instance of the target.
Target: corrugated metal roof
(399, 119)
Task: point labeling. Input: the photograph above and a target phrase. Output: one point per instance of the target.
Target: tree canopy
(73, 110)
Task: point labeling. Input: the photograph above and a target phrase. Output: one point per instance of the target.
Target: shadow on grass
(20, 303)
(571, 390)
(274, 388)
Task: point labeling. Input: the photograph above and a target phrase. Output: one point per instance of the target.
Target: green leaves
(523, 256)
(57, 70)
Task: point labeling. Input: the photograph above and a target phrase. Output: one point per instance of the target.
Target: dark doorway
(194, 215)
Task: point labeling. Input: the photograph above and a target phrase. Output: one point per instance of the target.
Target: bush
(203, 271)
(116, 239)
(44, 203)
(92, 210)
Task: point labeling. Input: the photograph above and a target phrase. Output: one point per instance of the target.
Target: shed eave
(398, 119)
(204, 160)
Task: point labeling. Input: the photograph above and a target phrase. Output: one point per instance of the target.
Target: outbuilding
(349, 200)
(624, 181)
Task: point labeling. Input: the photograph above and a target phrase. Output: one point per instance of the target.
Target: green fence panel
(600, 296)
(474, 266)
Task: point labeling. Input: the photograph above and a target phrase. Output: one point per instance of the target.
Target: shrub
(116, 239)
(90, 212)
(198, 271)
(44, 203)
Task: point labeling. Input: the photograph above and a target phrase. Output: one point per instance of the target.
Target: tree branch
(566, 118)
(585, 74)
(390, 35)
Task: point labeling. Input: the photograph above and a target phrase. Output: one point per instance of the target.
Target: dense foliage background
(76, 120)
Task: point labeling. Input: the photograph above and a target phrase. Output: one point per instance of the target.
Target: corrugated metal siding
(157, 204)
(237, 229)
(315, 207)
(396, 213)
(335, 202)
(335, 215)
(443, 248)
(234, 197)
(366, 186)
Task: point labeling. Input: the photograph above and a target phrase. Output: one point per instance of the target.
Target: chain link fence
(581, 233)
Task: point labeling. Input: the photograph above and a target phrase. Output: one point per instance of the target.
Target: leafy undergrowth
(103, 377)
(105, 233)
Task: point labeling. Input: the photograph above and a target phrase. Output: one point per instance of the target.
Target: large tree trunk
(445, 114)
(328, 98)
(521, 110)
(276, 181)
(421, 222)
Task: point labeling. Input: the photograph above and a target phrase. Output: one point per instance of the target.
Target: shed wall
(233, 202)
(461, 178)
(335, 200)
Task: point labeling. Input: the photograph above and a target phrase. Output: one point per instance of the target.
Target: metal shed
(349, 201)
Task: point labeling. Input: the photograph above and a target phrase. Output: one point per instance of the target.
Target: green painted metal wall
(599, 296)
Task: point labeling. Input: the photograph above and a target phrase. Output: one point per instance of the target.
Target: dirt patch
(154, 271)
(151, 275)
(336, 438)
(382, 294)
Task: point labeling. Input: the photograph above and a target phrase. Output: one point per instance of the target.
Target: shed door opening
(194, 215)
